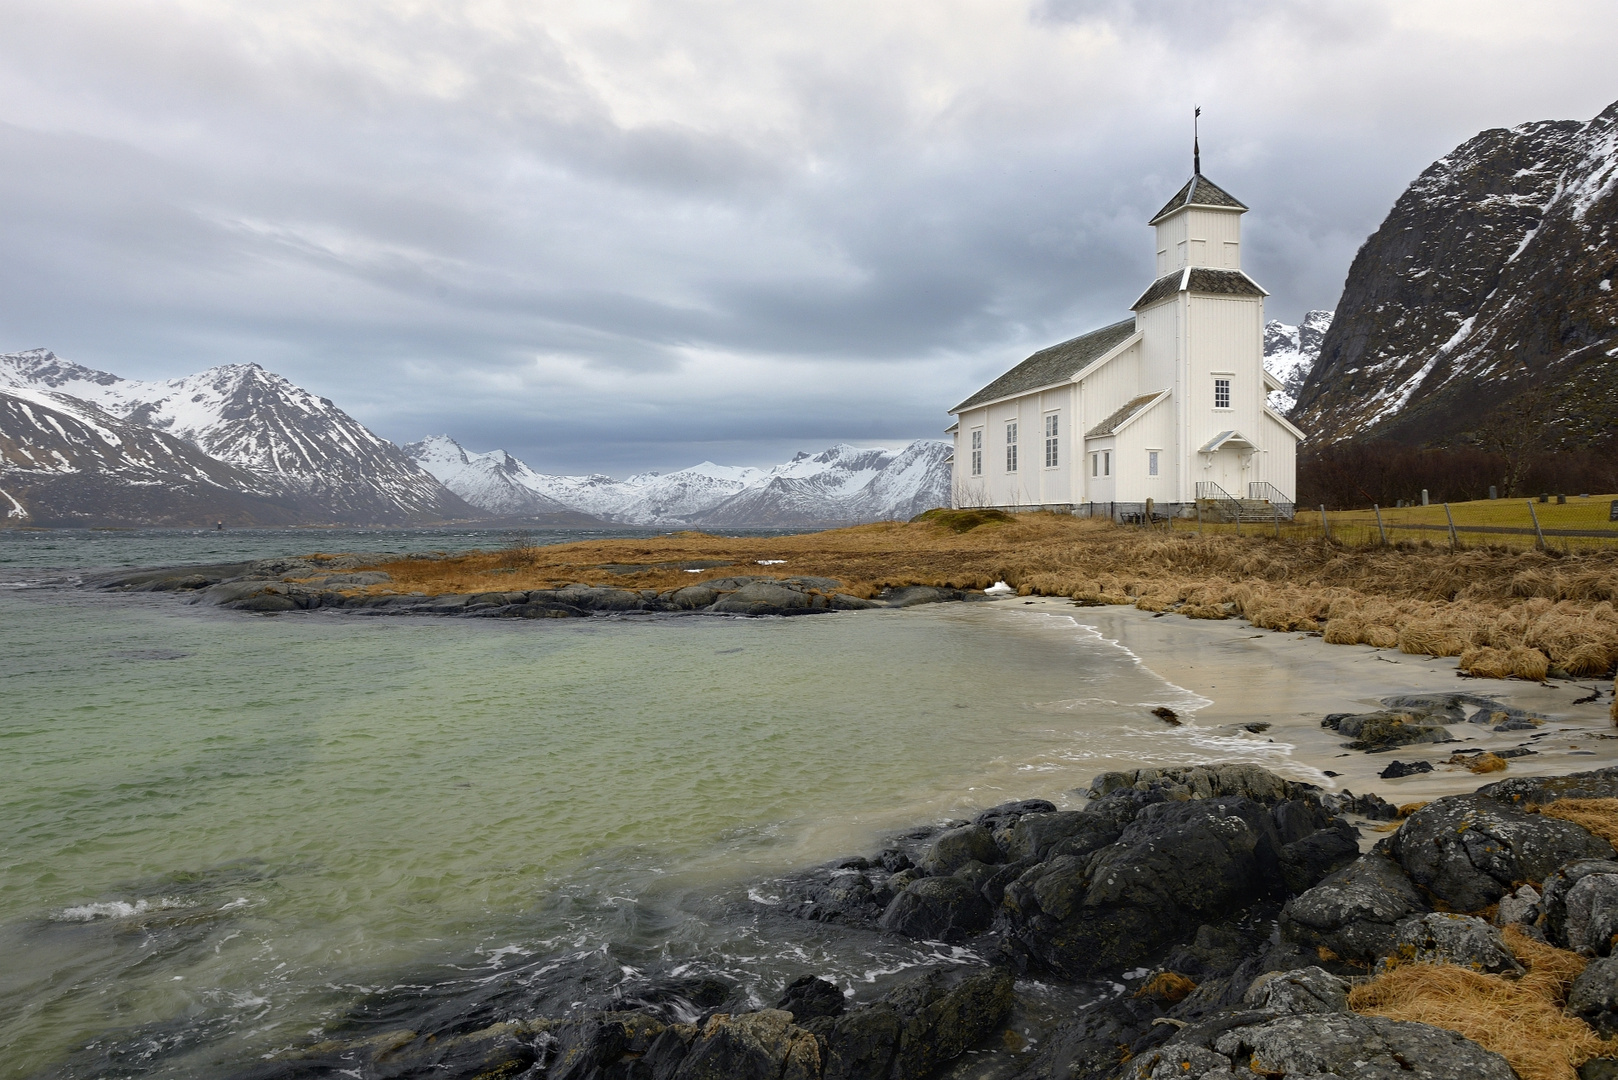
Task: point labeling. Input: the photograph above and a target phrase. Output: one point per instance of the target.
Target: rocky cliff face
(1482, 311)
(1290, 353)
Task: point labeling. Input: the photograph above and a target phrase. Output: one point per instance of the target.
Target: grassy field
(1504, 612)
(1485, 522)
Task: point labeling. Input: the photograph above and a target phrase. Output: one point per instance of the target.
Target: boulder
(1387, 728)
(1441, 937)
(693, 597)
(763, 1045)
(1599, 784)
(1290, 993)
(1176, 864)
(1397, 769)
(938, 909)
(956, 847)
(916, 1029)
(1470, 850)
(1354, 912)
(592, 598)
(1594, 996)
(809, 997)
(1521, 906)
(1075, 832)
(1362, 1047)
(762, 598)
(1323, 851)
(1581, 906)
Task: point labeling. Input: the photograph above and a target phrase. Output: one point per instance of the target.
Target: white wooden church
(1168, 405)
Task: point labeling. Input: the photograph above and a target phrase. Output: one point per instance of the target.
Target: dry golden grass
(1486, 763)
(1522, 1020)
(1534, 610)
(1597, 816)
(1169, 986)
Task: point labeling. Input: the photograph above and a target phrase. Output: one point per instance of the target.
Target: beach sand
(1292, 680)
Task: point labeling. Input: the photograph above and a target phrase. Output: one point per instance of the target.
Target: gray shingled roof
(1201, 280)
(1111, 423)
(1198, 191)
(1051, 366)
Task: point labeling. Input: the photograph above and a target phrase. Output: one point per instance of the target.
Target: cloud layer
(632, 234)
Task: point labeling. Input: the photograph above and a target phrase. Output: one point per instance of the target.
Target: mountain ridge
(1482, 309)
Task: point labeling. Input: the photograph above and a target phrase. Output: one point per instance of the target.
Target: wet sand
(1292, 680)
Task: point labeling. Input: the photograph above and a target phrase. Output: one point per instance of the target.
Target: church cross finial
(1196, 149)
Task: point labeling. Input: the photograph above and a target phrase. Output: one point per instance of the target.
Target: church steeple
(1196, 150)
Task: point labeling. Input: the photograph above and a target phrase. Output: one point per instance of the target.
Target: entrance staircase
(1264, 503)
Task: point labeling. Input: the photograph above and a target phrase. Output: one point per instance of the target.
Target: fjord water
(224, 835)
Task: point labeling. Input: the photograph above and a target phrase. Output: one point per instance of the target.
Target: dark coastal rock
(1201, 782)
(938, 909)
(811, 997)
(847, 896)
(1095, 1044)
(1594, 995)
(956, 847)
(1174, 865)
(1397, 769)
(1470, 850)
(1580, 903)
(1065, 832)
(763, 1045)
(1322, 851)
(911, 595)
(911, 1032)
(1388, 728)
(1297, 992)
(1441, 937)
(1354, 913)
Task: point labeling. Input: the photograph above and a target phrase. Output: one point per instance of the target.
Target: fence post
(1380, 530)
(1451, 518)
(1537, 531)
(1238, 516)
(1148, 522)
(1325, 526)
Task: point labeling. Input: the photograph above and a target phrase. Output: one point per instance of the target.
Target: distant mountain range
(1290, 353)
(245, 446)
(1484, 306)
(841, 485)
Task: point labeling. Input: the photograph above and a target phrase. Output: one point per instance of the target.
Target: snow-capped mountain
(841, 485)
(1290, 353)
(64, 461)
(295, 446)
(1485, 296)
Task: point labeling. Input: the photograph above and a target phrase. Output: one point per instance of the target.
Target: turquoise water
(223, 834)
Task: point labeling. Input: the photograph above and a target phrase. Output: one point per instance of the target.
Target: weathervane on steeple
(1196, 150)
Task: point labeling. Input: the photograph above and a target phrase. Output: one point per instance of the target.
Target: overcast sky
(612, 235)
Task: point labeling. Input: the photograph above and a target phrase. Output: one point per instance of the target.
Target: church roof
(1053, 365)
(1198, 191)
(1112, 423)
(1200, 279)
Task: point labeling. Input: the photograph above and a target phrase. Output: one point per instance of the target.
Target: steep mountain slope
(1482, 310)
(64, 462)
(842, 484)
(1290, 353)
(301, 447)
(496, 482)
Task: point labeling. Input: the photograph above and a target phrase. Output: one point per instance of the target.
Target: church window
(1011, 446)
(1106, 463)
(1095, 464)
(1050, 440)
(1221, 393)
(977, 451)
(1151, 463)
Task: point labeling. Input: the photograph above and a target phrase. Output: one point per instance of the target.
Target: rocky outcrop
(282, 585)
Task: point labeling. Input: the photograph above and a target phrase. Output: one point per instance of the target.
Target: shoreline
(1291, 681)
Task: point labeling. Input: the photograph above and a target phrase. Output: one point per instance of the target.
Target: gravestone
(1492, 493)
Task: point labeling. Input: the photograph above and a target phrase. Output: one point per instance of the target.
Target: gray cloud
(613, 238)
